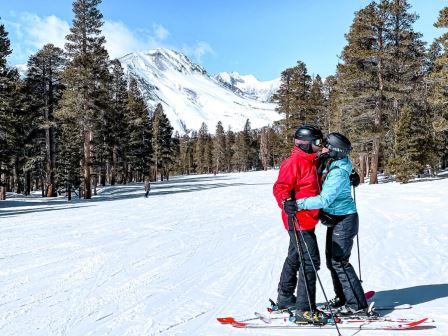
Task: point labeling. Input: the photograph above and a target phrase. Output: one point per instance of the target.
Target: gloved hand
(323, 161)
(325, 218)
(290, 207)
(354, 179)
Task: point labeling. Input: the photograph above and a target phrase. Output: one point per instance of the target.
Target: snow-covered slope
(190, 96)
(200, 247)
(22, 69)
(248, 85)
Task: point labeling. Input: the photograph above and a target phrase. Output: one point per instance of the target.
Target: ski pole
(357, 241)
(317, 275)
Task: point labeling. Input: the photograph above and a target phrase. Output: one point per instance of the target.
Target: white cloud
(38, 31)
(121, 41)
(198, 50)
(34, 32)
(160, 32)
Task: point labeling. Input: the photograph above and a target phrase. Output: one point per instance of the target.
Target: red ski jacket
(299, 173)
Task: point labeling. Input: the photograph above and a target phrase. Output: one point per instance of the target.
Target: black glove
(323, 161)
(325, 218)
(290, 207)
(354, 179)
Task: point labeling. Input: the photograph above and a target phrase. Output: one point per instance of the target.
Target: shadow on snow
(112, 193)
(411, 295)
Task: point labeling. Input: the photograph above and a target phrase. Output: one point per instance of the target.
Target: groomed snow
(201, 247)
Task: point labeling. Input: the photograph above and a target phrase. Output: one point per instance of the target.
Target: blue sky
(259, 37)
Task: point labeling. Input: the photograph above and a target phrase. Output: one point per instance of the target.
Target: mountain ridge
(190, 96)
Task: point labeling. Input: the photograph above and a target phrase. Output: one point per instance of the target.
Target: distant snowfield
(201, 247)
(190, 97)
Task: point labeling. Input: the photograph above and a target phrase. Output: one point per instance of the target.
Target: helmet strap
(307, 148)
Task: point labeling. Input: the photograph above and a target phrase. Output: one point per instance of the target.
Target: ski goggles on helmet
(337, 149)
(318, 142)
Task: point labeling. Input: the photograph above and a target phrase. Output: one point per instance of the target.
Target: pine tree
(361, 83)
(242, 150)
(208, 154)
(200, 152)
(438, 82)
(194, 146)
(69, 155)
(219, 148)
(85, 97)
(230, 141)
(318, 104)
(167, 144)
(278, 151)
(283, 98)
(143, 143)
(186, 154)
(265, 152)
(406, 71)
(333, 119)
(162, 143)
(117, 136)
(5, 115)
(44, 88)
(293, 99)
(407, 163)
(18, 133)
(176, 158)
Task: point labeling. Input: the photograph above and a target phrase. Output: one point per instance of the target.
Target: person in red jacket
(298, 179)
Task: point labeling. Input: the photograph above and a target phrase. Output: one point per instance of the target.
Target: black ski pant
(293, 276)
(338, 248)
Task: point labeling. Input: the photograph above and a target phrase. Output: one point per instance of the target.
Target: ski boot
(332, 304)
(309, 317)
(283, 303)
(348, 311)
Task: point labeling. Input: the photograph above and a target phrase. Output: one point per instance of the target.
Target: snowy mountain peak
(190, 96)
(162, 59)
(248, 85)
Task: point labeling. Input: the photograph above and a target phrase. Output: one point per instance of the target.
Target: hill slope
(190, 96)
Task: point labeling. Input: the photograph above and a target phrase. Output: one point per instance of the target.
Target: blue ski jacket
(335, 197)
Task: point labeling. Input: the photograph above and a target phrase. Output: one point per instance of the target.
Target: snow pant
(338, 248)
(293, 276)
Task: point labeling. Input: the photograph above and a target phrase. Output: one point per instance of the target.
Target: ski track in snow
(201, 247)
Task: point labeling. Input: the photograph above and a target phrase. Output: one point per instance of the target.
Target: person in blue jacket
(341, 217)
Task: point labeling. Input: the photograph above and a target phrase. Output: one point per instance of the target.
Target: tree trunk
(2, 186)
(17, 182)
(374, 161)
(362, 167)
(50, 161)
(27, 183)
(377, 119)
(69, 192)
(95, 183)
(42, 186)
(88, 135)
(113, 175)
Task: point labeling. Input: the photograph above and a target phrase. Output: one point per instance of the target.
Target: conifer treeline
(389, 94)
(76, 122)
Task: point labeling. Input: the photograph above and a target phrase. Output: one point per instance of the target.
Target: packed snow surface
(201, 247)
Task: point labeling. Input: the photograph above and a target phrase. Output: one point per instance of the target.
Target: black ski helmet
(338, 145)
(307, 135)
